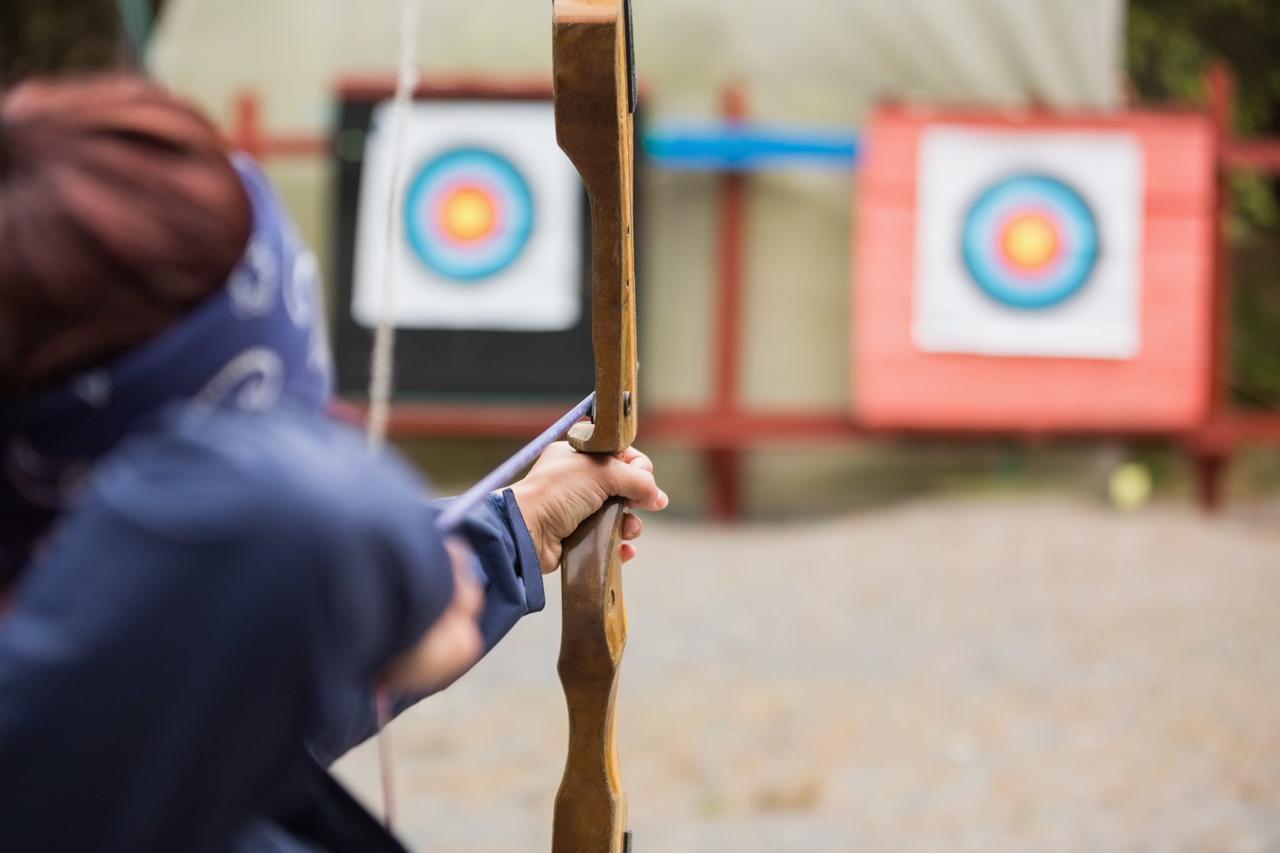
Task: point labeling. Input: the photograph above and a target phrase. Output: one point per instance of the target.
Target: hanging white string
(382, 369)
(384, 337)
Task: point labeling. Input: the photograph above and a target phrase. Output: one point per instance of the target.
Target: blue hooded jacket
(196, 633)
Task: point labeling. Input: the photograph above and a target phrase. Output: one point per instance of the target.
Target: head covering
(257, 343)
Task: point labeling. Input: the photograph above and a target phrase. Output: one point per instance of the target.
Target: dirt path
(995, 675)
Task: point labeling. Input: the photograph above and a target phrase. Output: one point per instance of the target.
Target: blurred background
(975, 539)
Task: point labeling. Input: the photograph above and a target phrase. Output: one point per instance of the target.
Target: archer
(207, 576)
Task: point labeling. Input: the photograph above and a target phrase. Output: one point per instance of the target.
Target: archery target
(469, 214)
(1029, 244)
(491, 221)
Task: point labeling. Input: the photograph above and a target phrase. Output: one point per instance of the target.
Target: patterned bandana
(258, 342)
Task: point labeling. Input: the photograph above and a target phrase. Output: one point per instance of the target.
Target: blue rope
(750, 146)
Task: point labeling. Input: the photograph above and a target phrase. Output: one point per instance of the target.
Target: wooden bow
(595, 91)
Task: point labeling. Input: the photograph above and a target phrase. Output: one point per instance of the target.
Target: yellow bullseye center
(1030, 241)
(468, 214)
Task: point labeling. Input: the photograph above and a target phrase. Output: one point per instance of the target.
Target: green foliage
(1256, 314)
(1171, 43)
(66, 36)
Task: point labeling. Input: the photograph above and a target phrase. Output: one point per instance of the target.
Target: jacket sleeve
(508, 564)
(188, 631)
(508, 568)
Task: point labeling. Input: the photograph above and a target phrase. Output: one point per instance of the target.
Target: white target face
(1029, 243)
(491, 221)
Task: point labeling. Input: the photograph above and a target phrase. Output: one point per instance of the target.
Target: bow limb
(594, 102)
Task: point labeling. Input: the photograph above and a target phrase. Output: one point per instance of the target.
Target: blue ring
(470, 265)
(1080, 244)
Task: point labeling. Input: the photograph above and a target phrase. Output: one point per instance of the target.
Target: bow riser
(593, 102)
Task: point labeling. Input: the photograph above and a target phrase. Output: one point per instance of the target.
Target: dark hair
(119, 212)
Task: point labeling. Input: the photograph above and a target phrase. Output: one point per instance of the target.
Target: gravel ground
(994, 674)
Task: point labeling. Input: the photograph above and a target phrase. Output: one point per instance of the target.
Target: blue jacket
(201, 634)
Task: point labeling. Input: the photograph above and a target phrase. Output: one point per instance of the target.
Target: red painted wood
(729, 284)
(724, 464)
(465, 87)
(1210, 469)
(1212, 451)
(248, 135)
(1238, 429)
(706, 430)
(1221, 86)
(1164, 389)
(246, 132)
(444, 420)
(1260, 155)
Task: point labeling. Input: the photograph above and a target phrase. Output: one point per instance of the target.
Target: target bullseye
(469, 214)
(1030, 242)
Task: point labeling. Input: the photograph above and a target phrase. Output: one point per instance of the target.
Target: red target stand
(1039, 274)
(1034, 273)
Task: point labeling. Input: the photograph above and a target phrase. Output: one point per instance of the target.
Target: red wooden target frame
(1166, 387)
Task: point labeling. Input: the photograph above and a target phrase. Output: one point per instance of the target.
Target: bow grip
(591, 807)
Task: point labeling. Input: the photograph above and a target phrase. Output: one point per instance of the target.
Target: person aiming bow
(203, 576)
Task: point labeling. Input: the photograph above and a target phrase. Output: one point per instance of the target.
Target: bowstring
(384, 337)
(382, 367)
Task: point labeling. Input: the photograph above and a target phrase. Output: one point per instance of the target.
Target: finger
(634, 457)
(634, 484)
(627, 551)
(632, 527)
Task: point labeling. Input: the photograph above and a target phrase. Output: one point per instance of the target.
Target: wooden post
(1211, 464)
(246, 127)
(725, 463)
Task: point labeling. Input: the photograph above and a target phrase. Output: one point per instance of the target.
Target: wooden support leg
(725, 467)
(724, 464)
(1210, 468)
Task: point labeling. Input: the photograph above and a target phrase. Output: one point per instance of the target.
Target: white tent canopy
(804, 60)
